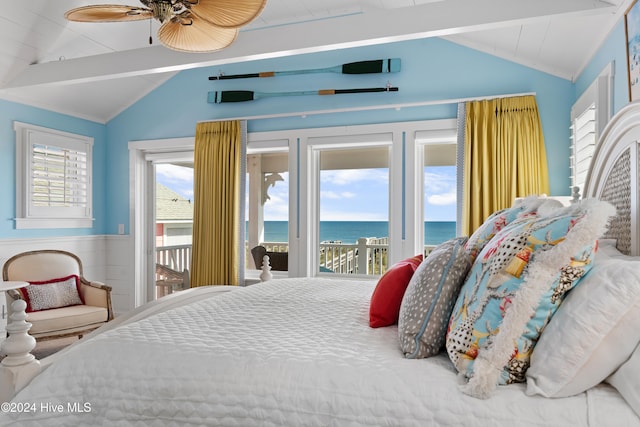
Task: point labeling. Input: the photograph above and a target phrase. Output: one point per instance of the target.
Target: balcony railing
(172, 269)
(177, 257)
(367, 256)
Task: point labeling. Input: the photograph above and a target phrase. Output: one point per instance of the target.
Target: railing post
(363, 264)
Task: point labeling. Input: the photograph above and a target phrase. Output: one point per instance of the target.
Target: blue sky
(177, 178)
(346, 195)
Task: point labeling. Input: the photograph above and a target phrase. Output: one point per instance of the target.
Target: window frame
(257, 144)
(29, 216)
(405, 181)
(316, 145)
(445, 135)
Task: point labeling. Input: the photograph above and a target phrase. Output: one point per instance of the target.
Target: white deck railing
(177, 257)
(367, 256)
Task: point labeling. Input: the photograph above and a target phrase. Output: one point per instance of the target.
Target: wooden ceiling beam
(373, 27)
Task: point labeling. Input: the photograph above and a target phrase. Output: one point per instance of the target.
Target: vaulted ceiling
(48, 62)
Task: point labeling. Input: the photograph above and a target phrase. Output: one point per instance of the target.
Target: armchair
(46, 265)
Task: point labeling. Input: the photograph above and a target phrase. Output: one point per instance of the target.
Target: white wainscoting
(107, 259)
(120, 272)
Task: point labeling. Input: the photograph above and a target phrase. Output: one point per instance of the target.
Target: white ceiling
(65, 66)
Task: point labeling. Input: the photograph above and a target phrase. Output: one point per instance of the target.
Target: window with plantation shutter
(589, 115)
(53, 178)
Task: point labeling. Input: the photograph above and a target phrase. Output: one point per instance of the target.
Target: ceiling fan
(187, 25)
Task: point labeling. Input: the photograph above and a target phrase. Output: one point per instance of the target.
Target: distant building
(174, 218)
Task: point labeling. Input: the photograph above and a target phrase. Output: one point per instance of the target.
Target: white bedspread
(292, 352)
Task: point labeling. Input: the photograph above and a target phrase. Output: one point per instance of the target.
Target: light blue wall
(613, 49)
(10, 112)
(432, 69)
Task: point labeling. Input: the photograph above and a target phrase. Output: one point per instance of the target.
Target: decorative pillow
(54, 293)
(626, 380)
(387, 296)
(593, 332)
(428, 301)
(515, 285)
(607, 247)
(521, 209)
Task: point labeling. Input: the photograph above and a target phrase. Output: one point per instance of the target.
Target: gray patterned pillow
(429, 299)
(54, 293)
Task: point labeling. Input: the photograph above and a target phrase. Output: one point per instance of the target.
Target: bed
(302, 352)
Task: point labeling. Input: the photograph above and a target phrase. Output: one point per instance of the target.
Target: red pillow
(387, 296)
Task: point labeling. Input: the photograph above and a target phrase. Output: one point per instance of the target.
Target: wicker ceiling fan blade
(108, 13)
(229, 13)
(195, 35)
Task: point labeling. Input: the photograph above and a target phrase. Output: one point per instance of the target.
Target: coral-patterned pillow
(53, 293)
(522, 209)
(513, 289)
(387, 296)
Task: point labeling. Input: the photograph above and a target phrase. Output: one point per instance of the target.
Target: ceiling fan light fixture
(187, 25)
(162, 10)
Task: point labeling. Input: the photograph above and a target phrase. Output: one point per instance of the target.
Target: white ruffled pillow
(593, 332)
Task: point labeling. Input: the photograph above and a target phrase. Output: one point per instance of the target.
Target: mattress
(290, 352)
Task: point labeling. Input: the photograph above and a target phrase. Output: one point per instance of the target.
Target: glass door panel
(354, 210)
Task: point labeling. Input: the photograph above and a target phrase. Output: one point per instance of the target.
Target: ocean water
(349, 232)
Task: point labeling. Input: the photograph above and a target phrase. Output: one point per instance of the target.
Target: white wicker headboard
(613, 176)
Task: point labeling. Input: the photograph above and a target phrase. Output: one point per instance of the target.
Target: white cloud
(177, 178)
(175, 173)
(443, 199)
(436, 182)
(276, 212)
(440, 190)
(349, 176)
(276, 199)
(337, 195)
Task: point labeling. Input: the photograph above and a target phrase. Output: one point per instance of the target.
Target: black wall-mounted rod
(224, 96)
(375, 66)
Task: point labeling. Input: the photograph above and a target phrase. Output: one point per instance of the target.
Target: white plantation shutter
(53, 178)
(584, 137)
(58, 177)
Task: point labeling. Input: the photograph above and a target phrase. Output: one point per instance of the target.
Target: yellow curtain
(504, 156)
(216, 210)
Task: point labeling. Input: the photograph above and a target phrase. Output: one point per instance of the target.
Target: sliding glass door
(352, 205)
(173, 225)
